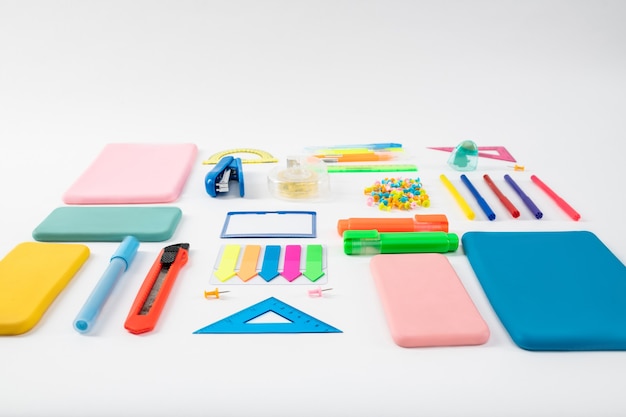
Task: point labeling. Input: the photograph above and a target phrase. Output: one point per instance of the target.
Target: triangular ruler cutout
(240, 322)
(269, 317)
(493, 152)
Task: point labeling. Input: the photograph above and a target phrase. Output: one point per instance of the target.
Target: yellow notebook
(31, 277)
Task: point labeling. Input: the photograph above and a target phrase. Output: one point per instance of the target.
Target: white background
(546, 79)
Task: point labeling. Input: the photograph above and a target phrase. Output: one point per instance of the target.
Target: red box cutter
(155, 289)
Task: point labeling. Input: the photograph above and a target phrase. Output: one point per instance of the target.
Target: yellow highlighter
(458, 197)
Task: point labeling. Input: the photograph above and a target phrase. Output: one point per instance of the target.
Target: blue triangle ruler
(299, 322)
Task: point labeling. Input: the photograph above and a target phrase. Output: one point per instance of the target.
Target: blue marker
(481, 201)
(119, 263)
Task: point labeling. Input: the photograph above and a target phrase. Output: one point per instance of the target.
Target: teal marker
(371, 242)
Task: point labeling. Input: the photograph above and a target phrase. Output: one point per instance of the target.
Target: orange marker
(419, 223)
(357, 157)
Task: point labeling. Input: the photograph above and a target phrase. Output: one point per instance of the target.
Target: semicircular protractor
(261, 156)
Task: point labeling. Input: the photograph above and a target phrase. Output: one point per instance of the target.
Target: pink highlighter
(557, 199)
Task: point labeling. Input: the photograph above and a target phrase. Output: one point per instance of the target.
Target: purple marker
(529, 203)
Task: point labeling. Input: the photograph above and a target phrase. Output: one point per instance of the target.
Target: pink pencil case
(424, 301)
(134, 173)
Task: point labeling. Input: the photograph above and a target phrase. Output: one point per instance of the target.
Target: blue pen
(373, 146)
(119, 262)
(529, 203)
(481, 201)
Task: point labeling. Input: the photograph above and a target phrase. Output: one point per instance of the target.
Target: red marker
(505, 201)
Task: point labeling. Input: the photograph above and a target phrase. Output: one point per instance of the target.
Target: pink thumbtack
(317, 292)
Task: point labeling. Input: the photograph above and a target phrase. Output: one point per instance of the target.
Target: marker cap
(127, 250)
(431, 222)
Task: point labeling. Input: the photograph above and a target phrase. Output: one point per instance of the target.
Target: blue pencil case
(561, 290)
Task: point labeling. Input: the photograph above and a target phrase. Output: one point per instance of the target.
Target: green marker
(371, 168)
(371, 242)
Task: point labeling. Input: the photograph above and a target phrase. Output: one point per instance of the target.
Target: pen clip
(155, 289)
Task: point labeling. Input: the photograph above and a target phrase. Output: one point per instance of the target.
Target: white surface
(546, 79)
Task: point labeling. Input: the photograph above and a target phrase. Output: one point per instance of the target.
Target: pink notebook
(134, 173)
(425, 303)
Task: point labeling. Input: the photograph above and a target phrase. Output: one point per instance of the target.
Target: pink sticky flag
(291, 267)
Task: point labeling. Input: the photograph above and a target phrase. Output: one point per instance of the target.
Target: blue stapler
(227, 169)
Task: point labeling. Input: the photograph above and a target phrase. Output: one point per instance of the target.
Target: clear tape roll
(305, 178)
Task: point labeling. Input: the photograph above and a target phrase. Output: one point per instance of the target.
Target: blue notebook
(552, 291)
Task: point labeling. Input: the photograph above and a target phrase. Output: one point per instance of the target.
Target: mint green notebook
(108, 224)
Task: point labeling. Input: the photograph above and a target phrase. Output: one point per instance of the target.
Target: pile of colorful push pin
(400, 193)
